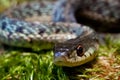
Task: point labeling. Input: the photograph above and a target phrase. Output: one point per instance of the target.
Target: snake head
(76, 51)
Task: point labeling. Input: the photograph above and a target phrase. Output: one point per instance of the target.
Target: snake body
(75, 44)
(102, 15)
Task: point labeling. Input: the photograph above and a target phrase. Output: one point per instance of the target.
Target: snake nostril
(79, 50)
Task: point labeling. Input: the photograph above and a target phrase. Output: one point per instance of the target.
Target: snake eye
(79, 50)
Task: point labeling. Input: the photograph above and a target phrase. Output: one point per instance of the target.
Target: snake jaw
(60, 58)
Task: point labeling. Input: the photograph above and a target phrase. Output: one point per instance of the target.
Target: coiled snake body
(75, 44)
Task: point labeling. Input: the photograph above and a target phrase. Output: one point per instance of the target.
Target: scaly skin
(32, 35)
(31, 9)
(75, 43)
(102, 15)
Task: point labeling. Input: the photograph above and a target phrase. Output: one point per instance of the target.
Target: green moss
(25, 66)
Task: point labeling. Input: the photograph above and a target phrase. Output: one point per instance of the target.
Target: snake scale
(74, 44)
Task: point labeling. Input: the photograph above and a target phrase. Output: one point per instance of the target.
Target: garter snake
(75, 44)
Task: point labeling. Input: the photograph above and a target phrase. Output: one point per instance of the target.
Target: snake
(102, 15)
(56, 28)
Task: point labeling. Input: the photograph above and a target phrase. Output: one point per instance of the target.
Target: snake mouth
(76, 61)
